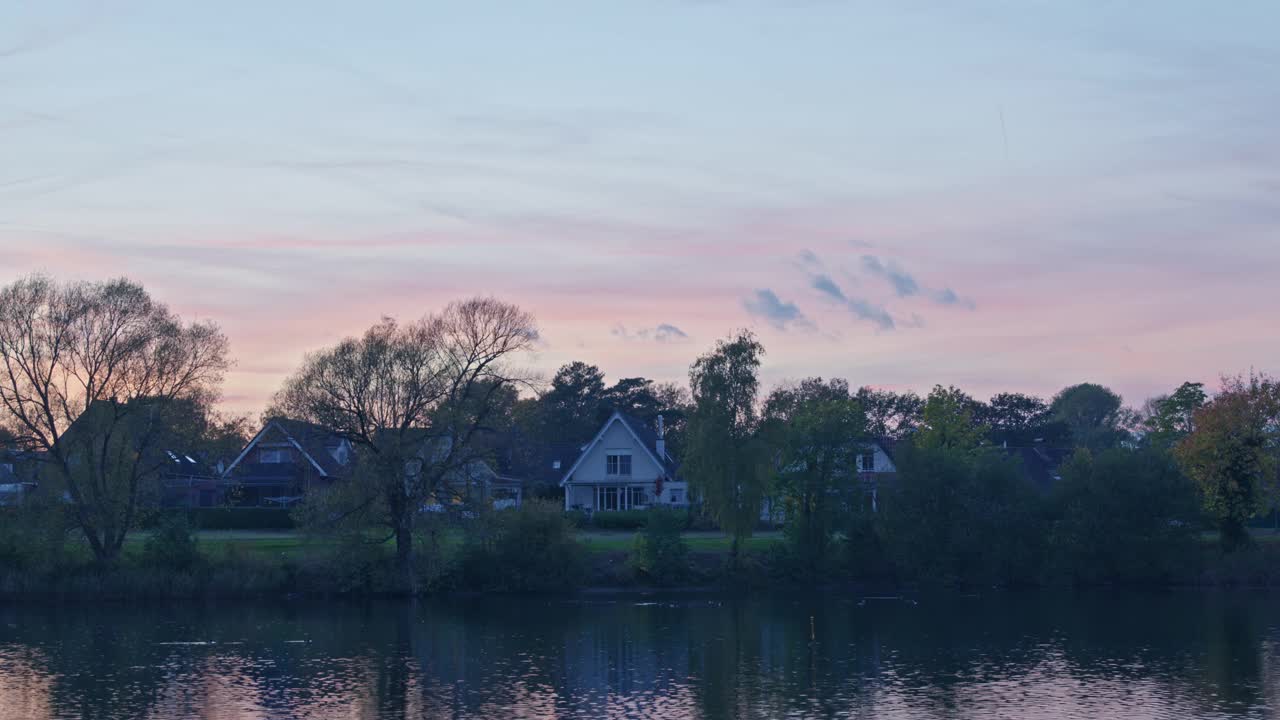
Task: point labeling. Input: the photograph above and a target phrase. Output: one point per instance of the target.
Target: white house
(875, 463)
(624, 467)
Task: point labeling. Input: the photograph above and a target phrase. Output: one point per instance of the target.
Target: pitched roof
(315, 441)
(645, 435)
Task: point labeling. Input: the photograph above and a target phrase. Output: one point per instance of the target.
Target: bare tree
(412, 399)
(94, 375)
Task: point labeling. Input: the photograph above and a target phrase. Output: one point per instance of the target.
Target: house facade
(285, 460)
(624, 467)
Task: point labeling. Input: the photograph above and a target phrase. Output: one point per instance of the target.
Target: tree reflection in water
(1025, 654)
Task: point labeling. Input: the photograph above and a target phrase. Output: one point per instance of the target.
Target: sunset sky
(1011, 196)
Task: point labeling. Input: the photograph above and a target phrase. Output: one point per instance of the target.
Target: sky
(998, 195)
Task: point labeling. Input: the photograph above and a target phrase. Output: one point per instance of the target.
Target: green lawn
(596, 541)
(288, 542)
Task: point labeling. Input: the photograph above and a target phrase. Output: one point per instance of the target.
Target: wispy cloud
(662, 332)
(905, 285)
(862, 308)
(866, 310)
(766, 305)
(825, 285)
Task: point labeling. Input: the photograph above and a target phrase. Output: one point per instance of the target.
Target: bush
(1122, 517)
(579, 519)
(171, 546)
(956, 516)
(33, 535)
(861, 551)
(532, 548)
(660, 554)
(620, 520)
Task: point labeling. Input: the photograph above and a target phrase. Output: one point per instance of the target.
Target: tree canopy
(725, 458)
(415, 399)
(95, 375)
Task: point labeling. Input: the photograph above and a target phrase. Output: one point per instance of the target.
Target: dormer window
(617, 465)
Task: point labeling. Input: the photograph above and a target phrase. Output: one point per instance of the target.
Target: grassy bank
(255, 563)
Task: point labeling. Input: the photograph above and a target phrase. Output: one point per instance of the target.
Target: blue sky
(1000, 195)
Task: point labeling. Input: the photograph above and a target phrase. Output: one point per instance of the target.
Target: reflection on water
(1099, 655)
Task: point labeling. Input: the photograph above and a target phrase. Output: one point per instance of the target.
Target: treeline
(1126, 506)
(98, 378)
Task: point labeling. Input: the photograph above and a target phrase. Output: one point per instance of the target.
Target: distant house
(17, 476)
(624, 467)
(494, 475)
(876, 465)
(186, 480)
(152, 433)
(283, 461)
(857, 486)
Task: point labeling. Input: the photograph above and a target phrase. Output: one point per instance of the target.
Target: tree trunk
(1233, 534)
(404, 553)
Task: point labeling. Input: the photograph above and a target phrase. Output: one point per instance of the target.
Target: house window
(677, 496)
(617, 465)
(636, 497)
(868, 461)
(273, 456)
(607, 498)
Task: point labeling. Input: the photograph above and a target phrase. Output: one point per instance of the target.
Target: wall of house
(883, 464)
(616, 438)
(578, 496)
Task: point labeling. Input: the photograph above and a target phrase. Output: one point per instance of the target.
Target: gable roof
(313, 441)
(644, 436)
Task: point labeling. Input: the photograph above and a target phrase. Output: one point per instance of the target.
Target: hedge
(632, 519)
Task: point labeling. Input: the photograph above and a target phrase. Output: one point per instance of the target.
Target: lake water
(1013, 655)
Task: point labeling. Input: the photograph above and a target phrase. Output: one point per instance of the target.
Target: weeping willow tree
(725, 456)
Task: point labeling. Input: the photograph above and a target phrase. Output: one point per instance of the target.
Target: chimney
(661, 445)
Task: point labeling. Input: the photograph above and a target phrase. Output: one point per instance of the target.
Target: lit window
(617, 465)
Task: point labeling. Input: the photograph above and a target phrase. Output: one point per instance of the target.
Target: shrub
(354, 565)
(861, 551)
(962, 516)
(1122, 517)
(171, 545)
(620, 520)
(578, 518)
(532, 548)
(660, 554)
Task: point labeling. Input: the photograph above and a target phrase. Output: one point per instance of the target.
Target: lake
(1092, 655)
